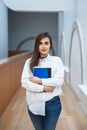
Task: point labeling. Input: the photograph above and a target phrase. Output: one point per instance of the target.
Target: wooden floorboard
(72, 117)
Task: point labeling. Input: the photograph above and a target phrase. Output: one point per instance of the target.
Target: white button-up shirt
(35, 96)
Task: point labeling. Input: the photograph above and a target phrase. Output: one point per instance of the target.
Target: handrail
(10, 76)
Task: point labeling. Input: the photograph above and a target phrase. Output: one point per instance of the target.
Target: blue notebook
(42, 72)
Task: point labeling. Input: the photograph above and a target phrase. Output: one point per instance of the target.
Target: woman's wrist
(48, 89)
(36, 80)
(40, 81)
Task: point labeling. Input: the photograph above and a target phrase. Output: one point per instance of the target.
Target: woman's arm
(39, 81)
(48, 88)
(58, 75)
(25, 80)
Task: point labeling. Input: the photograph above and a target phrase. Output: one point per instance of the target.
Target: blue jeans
(52, 113)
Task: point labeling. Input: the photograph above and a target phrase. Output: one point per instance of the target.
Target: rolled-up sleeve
(58, 75)
(26, 83)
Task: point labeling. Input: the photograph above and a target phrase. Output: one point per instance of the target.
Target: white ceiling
(35, 5)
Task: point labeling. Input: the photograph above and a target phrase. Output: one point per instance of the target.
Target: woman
(42, 94)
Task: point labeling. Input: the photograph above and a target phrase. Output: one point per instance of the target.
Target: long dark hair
(36, 54)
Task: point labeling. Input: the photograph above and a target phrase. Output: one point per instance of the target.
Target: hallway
(72, 117)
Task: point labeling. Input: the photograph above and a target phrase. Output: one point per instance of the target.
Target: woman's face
(44, 47)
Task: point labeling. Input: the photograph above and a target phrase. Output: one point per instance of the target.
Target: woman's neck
(43, 56)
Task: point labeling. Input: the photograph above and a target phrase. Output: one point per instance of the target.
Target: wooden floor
(72, 117)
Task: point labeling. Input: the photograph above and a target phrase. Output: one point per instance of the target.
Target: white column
(3, 30)
(60, 30)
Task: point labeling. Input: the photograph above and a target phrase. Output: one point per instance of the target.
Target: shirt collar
(46, 58)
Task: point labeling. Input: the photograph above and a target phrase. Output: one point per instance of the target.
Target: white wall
(69, 17)
(82, 17)
(60, 30)
(75, 38)
(3, 31)
(76, 10)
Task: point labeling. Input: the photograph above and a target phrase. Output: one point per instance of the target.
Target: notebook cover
(42, 72)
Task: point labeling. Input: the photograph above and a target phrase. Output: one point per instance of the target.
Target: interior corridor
(20, 23)
(72, 117)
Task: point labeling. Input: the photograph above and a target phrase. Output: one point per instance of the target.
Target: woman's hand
(36, 80)
(48, 88)
(39, 81)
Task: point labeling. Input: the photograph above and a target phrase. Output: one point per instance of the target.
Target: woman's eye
(46, 43)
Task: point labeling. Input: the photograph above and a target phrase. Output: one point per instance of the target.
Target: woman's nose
(43, 45)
